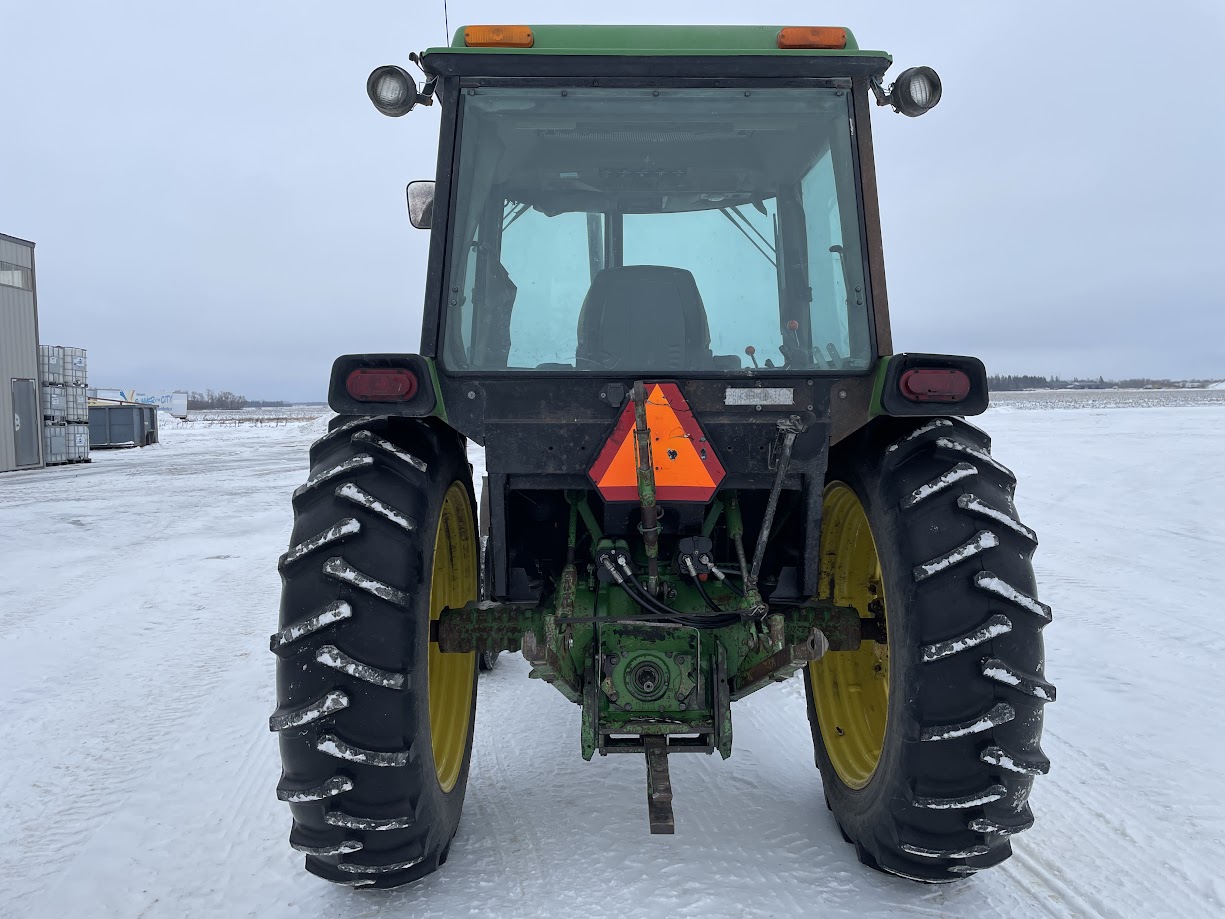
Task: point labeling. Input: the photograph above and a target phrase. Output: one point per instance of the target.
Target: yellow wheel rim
(452, 677)
(851, 688)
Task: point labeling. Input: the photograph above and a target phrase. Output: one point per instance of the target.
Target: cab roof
(662, 40)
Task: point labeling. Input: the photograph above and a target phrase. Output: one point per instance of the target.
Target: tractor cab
(730, 155)
(674, 229)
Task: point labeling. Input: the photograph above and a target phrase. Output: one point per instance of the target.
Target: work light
(392, 90)
(916, 91)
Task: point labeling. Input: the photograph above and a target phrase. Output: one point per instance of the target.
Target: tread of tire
(346, 645)
(979, 627)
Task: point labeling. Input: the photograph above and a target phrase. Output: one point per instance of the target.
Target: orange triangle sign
(686, 467)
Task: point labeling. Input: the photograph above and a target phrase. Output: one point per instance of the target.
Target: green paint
(878, 386)
(722, 703)
(680, 41)
(649, 528)
(651, 670)
(489, 628)
(584, 510)
(588, 728)
(712, 516)
(440, 408)
(735, 522)
(596, 664)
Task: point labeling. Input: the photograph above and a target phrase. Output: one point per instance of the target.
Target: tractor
(655, 295)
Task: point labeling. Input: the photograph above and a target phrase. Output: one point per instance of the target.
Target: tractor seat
(643, 317)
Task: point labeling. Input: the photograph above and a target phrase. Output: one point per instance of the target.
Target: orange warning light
(498, 36)
(686, 467)
(792, 37)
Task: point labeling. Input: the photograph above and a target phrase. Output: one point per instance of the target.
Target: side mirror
(421, 204)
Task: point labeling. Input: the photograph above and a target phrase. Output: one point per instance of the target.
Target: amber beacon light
(498, 37)
(828, 37)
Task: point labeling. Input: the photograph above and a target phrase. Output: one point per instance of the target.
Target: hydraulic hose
(635, 589)
(706, 596)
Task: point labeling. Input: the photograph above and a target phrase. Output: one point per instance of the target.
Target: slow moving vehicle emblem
(686, 467)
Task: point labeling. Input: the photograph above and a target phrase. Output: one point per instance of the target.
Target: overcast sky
(217, 204)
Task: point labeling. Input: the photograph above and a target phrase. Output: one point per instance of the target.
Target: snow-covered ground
(137, 770)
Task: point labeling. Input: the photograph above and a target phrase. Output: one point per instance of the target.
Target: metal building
(21, 420)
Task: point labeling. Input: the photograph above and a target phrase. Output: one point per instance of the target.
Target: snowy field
(137, 772)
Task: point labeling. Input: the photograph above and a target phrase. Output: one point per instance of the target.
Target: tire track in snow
(1090, 809)
(492, 776)
(137, 679)
(1028, 868)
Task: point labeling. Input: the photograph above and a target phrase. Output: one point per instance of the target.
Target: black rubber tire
(966, 687)
(353, 716)
(486, 659)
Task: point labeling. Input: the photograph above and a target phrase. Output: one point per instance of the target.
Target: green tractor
(656, 296)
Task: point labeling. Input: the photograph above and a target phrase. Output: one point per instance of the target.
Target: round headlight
(916, 91)
(392, 90)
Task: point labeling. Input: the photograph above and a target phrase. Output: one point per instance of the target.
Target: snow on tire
(966, 688)
(352, 673)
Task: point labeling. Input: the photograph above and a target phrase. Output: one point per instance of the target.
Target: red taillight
(929, 384)
(381, 384)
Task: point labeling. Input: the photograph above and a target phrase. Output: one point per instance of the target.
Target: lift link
(789, 427)
(735, 529)
(646, 487)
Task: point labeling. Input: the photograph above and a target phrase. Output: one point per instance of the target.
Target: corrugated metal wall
(18, 345)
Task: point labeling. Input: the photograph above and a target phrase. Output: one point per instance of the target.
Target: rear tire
(486, 659)
(957, 735)
(375, 725)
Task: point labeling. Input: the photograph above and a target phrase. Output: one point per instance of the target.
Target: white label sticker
(754, 395)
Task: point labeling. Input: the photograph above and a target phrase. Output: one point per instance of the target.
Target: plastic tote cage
(77, 441)
(51, 363)
(55, 404)
(74, 367)
(76, 405)
(55, 444)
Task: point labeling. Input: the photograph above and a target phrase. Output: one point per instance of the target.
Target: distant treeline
(999, 383)
(1009, 383)
(226, 400)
